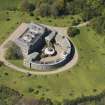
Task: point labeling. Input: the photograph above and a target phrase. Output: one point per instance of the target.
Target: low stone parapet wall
(44, 67)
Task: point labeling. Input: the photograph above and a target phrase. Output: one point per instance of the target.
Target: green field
(88, 75)
(86, 78)
(17, 17)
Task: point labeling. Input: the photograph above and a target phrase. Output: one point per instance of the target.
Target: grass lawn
(86, 78)
(88, 75)
(9, 20)
(18, 63)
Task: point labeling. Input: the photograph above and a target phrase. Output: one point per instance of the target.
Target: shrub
(37, 18)
(39, 86)
(73, 31)
(76, 22)
(31, 14)
(50, 21)
(37, 92)
(6, 73)
(94, 90)
(30, 90)
(8, 19)
(49, 101)
(29, 74)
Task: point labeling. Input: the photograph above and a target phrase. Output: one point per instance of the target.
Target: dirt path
(20, 29)
(82, 24)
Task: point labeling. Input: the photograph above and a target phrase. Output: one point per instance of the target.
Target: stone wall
(44, 67)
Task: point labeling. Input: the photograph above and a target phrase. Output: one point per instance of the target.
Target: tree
(9, 96)
(90, 13)
(26, 6)
(103, 2)
(13, 52)
(99, 25)
(73, 31)
(44, 9)
(69, 9)
(61, 6)
(91, 9)
(76, 22)
(54, 10)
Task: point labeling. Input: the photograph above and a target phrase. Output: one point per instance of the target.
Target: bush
(13, 52)
(6, 73)
(76, 22)
(39, 86)
(30, 90)
(50, 21)
(31, 14)
(73, 31)
(8, 19)
(37, 92)
(37, 18)
(49, 101)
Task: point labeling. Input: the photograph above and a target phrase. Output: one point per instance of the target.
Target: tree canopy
(13, 52)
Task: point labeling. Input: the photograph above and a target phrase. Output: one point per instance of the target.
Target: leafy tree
(8, 96)
(99, 25)
(60, 5)
(90, 13)
(76, 22)
(103, 2)
(69, 9)
(44, 9)
(54, 10)
(13, 52)
(26, 6)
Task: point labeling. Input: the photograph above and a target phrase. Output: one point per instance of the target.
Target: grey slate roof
(50, 36)
(31, 35)
(32, 56)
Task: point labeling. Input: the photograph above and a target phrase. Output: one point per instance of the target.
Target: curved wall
(55, 64)
(39, 66)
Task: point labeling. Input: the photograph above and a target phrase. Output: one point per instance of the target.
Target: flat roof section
(32, 34)
(19, 31)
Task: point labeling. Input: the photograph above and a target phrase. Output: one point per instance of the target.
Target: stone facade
(32, 42)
